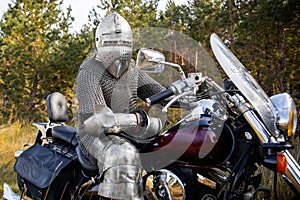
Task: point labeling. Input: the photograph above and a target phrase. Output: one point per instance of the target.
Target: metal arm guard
(105, 121)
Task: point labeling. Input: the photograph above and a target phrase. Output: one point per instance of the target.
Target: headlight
(287, 113)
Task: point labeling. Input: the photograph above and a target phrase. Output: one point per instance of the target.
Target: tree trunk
(232, 23)
(282, 58)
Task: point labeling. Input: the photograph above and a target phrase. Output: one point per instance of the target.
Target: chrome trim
(258, 126)
(285, 104)
(17, 153)
(169, 181)
(292, 173)
(9, 194)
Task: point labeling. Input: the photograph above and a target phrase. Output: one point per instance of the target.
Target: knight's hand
(102, 121)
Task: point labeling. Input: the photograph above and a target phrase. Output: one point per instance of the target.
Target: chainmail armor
(95, 86)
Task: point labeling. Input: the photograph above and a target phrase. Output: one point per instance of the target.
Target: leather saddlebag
(47, 172)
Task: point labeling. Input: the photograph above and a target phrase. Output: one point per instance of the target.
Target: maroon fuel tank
(197, 143)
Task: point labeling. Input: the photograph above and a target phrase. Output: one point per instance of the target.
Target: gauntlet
(135, 124)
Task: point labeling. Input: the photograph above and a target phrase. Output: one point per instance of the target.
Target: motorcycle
(213, 152)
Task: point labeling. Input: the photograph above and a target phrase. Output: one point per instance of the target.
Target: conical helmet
(114, 44)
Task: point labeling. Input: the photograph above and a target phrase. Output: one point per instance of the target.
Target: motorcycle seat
(65, 133)
(57, 109)
(89, 165)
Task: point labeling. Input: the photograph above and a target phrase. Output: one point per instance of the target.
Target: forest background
(39, 55)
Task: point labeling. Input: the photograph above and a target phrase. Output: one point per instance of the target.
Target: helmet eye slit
(125, 43)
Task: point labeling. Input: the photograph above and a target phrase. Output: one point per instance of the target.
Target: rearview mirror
(149, 60)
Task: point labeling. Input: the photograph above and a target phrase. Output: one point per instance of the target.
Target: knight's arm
(97, 118)
(136, 124)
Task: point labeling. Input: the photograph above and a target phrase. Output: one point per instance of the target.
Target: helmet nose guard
(114, 43)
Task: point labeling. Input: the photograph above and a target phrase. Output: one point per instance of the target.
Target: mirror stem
(181, 72)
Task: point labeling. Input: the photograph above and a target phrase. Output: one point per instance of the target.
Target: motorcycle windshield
(244, 82)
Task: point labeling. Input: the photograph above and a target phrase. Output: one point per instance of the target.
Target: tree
(138, 13)
(38, 55)
(267, 35)
(175, 17)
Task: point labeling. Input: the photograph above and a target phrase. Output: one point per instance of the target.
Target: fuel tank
(201, 141)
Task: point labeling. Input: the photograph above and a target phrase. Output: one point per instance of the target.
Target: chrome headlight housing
(286, 113)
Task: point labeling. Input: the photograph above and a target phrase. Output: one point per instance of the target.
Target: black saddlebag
(48, 172)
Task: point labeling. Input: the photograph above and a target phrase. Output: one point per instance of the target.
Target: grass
(13, 137)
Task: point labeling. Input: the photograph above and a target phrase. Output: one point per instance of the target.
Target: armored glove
(105, 121)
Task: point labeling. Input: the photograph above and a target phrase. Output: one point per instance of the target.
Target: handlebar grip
(159, 96)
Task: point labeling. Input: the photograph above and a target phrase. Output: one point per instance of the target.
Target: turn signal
(290, 124)
(281, 163)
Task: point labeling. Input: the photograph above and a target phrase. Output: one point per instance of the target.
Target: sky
(80, 9)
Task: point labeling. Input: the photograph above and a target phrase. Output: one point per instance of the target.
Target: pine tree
(38, 55)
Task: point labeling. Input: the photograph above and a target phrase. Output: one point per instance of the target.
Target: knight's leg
(121, 170)
(122, 178)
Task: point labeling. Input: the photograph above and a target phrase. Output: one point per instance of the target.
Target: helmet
(114, 44)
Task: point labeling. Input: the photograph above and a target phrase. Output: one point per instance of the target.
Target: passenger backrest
(57, 107)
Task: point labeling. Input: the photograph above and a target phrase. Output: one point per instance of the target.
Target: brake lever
(165, 109)
(185, 87)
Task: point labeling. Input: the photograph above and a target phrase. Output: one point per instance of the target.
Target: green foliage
(138, 13)
(38, 56)
(175, 17)
(268, 45)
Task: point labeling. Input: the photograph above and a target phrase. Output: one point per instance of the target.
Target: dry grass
(12, 138)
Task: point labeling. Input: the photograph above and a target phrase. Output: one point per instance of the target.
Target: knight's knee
(121, 147)
(122, 154)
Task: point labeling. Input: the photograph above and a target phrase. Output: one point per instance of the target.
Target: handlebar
(160, 96)
(179, 88)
